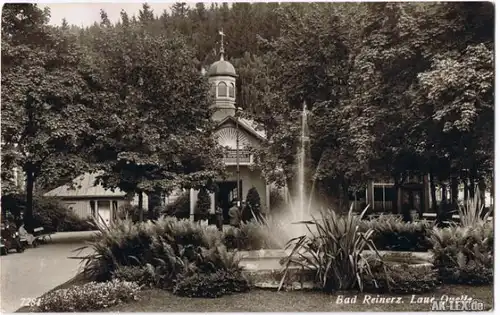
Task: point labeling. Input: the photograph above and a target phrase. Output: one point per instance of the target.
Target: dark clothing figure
(219, 218)
(234, 216)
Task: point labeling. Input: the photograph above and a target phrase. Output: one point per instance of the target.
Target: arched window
(231, 90)
(222, 89)
(213, 89)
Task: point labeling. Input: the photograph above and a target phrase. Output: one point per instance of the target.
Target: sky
(86, 13)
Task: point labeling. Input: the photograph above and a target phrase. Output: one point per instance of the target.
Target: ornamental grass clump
(472, 212)
(89, 297)
(333, 248)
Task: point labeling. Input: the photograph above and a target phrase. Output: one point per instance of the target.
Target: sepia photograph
(247, 157)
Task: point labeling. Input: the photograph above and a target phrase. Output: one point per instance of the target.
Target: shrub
(392, 233)
(263, 234)
(252, 205)
(203, 205)
(400, 278)
(139, 274)
(131, 212)
(129, 244)
(73, 223)
(180, 208)
(48, 212)
(276, 200)
(166, 247)
(333, 247)
(464, 255)
(211, 285)
(89, 297)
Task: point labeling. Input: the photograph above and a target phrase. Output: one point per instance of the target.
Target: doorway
(226, 193)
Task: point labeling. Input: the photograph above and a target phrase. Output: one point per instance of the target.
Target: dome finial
(221, 33)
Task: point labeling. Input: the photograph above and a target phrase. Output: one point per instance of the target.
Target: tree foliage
(154, 132)
(46, 100)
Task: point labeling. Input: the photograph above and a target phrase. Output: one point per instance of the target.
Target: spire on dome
(221, 33)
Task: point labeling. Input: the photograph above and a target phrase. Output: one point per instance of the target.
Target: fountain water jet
(302, 211)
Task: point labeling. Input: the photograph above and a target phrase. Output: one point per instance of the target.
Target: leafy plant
(138, 274)
(211, 285)
(167, 248)
(89, 297)
(464, 254)
(392, 233)
(333, 247)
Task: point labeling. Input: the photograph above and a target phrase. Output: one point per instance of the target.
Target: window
(103, 205)
(231, 90)
(213, 90)
(390, 193)
(383, 196)
(222, 89)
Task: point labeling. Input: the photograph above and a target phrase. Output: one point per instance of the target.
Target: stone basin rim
(280, 253)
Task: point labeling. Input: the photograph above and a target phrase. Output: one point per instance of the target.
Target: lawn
(296, 301)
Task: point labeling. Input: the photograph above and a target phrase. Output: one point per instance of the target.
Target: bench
(41, 236)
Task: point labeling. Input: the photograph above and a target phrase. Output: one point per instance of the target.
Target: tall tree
(155, 129)
(45, 96)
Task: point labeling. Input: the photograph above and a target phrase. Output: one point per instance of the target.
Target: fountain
(264, 266)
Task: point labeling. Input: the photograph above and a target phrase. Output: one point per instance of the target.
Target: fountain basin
(264, 270)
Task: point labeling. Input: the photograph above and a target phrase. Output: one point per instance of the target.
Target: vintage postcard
(247, 157)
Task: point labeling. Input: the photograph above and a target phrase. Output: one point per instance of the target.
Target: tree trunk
(454, 192)
(421, 205)
(28, 212)
(466, 190)
(395, 201)
(345, 196)
(154, 201)
(492, 191)
(141, 208)
(472, 186)
(433, 193)
(482, 191)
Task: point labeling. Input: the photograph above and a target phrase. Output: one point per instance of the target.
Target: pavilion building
(237, 136)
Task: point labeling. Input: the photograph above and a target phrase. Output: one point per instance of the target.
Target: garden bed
(294, 301)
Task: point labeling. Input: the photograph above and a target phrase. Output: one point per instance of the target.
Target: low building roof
(83, 186)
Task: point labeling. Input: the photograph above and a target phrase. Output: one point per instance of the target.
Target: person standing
(234, 215)
(218, 218)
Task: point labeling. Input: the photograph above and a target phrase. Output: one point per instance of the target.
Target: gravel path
(38, 270)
